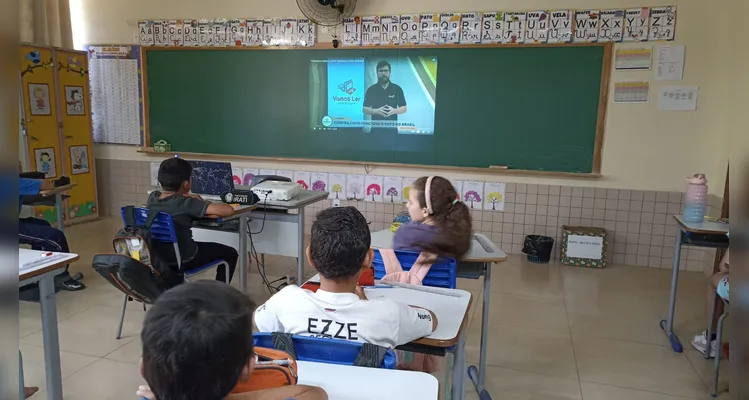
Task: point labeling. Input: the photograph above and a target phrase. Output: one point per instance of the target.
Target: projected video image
(374, 95)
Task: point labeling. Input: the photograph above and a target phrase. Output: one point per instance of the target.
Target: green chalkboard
(529, 108)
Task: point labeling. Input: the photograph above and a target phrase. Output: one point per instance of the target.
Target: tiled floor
(555, 332)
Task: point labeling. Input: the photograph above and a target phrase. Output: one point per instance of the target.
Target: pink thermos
(695, 199)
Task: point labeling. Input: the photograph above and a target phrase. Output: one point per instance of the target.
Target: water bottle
(695, 200)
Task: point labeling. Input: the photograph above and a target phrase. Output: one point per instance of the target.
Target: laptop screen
(211, 178)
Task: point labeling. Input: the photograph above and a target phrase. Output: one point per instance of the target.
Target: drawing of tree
(248, 178)
(318, 186)
(406, 192)
(354, 189)
(337, 188)
(472, 196)
(392, 192)
(494, 198)
(303, 184)
(373, 190)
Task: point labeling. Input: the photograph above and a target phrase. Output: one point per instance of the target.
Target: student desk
(356, 383)
(450, 335)
(241, 213)
(43, 200)
(715, 229)
(272, 228)
(482, 251)
(45, 273)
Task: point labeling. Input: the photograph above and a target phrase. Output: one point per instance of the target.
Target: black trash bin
(538, 248)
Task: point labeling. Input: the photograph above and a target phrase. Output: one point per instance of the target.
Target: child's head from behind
(340, 245)
(434, 200)
(174, 174)
(197, 342)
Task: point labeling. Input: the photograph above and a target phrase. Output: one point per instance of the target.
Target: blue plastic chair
(324, 350)
(443, 272)
(162, 230)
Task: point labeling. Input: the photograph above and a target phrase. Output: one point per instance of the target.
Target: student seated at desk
(175, 199)
(40, 234)
(197, 344)
(719, 284)
(340, 251)
(441, 223)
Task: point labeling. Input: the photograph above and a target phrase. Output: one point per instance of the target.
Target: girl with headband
(442, 223)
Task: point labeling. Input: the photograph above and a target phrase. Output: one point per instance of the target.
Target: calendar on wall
(116, 95)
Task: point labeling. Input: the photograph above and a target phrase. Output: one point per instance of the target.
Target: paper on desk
(669, 63)
(28, 261)
(678, 98)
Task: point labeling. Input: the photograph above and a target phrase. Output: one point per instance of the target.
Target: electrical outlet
(336, 202)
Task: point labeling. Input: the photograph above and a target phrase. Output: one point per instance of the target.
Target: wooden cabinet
(57, 125)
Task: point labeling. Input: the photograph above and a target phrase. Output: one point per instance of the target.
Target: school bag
(135, 269)
(273, 369)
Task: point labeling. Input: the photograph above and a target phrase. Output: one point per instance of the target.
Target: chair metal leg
(122, 318)
(226, 273)
(718, 353)
(710, 325)
(21, 385)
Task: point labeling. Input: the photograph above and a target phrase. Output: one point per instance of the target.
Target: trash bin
(538, 248)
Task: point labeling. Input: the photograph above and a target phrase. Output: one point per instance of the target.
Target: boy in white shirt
(340, 251)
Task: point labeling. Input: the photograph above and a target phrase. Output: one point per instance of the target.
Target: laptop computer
(211, 179)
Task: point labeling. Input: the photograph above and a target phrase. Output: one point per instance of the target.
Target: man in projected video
(384, 101)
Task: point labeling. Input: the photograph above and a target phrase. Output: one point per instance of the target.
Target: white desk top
(57, 189)
(35, 262)
(482, 249)
(450, 311)
(304, 198)
(358, 383)
(702, 227)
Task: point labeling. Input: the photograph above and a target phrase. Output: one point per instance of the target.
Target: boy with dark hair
(175, 199)
(340, 251)
(197, 344)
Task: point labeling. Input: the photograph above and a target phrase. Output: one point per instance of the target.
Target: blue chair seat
(441, 274)
(324, 350)
(210, 265)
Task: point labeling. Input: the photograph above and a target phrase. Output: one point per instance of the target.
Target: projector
(276, 191)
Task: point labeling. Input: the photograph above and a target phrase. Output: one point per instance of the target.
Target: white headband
(428, 195)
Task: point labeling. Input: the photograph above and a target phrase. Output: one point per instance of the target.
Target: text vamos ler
(347, 99)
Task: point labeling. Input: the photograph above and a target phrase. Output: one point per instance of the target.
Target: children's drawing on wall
(45, 161)
(39, 98)
(74, 100)
(79, 158)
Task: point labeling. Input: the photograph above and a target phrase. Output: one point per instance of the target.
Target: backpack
(135, 269)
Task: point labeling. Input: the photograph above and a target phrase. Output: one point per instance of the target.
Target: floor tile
(523, 349)
(637, 366)
(104, 380)
(93, 332)
(528, 312)
(33, 364)
(504, 383)
(705, 367)
(594, 391)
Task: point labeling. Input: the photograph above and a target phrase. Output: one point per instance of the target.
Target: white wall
(644, 148)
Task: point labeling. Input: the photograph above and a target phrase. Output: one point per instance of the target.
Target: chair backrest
(162, 229)
(443, 272)
(324, 350)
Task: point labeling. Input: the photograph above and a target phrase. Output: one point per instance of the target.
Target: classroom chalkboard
(526, 107)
